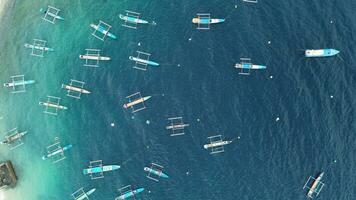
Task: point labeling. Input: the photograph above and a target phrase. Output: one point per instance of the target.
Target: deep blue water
(271, 160)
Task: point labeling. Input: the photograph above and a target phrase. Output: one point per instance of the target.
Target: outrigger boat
(177, 126)
(102, 30)
(130, 193)
(207, 21)
(155, 172)
(143, 61)
(58, 151)
(203, 20)
(100, 169)
(54, 16)
(51, 105)
(94, 57)
(81, 195)
(316, 185)
(216, 144)
(75, 89)
(51, 14)
(246, 66)
(135, 102)
(133, 20)
(18, 83)
(41, 48)
(310, 53)
(11, 139)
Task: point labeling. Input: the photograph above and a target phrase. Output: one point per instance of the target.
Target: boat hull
(45, 157)
(158, 173)
(130, 194)
(30, 46)
(75, 89)
(18, 83)
(139, 60)
(127, 105)
(249, 66)
(95, 170)
(89, 57)
(207, 21)
(313, 53)
(133, 20)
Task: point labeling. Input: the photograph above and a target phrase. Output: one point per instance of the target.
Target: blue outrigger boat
(103, 31)
(140, 60)
(156, 172)
(58, 151)
(132, 19)
(312, 53)
(100, 169)
(19, 83)
(207, 21)
(130, 194)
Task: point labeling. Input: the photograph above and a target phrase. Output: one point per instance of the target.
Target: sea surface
(291, 121)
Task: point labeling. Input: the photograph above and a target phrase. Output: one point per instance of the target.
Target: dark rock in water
(7, 175)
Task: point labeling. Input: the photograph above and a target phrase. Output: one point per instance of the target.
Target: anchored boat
(315, 186)
(143, 61)
(19, 83)
(93, 57)
(155, 172)
(216, 144)
(75, 89)
(130, 194)
(41, 48)
(133, 20)
(310, 53)
(51, 105)
(13, 138)
(102, 30)
(57, 152)
(207, 21)
(100, 169)
(85, 195)
(55, 16)
(138, 101)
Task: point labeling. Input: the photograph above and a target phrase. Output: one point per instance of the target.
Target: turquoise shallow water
(196, 80)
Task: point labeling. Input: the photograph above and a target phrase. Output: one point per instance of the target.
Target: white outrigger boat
(94, 57)
(136, 102)
(312, 53)
(75, 88)
(82, 195)
(41, 48)
(13, 138)
(51, 14)
(132, 19)
(315, 187)
(52, 105)
(216, 144)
